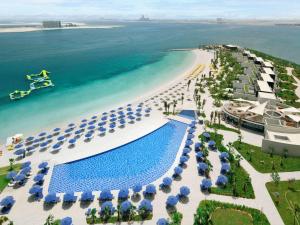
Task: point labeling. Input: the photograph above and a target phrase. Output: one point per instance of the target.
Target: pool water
(139, 162)
(189, 114)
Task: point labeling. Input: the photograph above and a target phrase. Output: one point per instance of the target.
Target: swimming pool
(139, 162)
(189, 114)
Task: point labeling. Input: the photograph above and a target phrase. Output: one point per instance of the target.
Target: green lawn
(220, 213)
(284, 196)
(233, 217)
(262, 161)
(242, 182)
(223, 127)
(3, 172)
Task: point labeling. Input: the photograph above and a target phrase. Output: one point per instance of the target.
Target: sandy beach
(33, 29)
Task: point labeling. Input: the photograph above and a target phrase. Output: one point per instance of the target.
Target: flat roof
(291, 138)
(264, 86)
(268, 64)
(252, 55)
(266, 77)
(247, 52)
(268, 70)
(259, 59)
(266, 95)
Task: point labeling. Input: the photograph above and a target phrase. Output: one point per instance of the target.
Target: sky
(156, 9)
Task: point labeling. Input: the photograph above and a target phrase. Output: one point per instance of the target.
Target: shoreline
(34, 29)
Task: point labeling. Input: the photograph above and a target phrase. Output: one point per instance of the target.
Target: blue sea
(96, 68)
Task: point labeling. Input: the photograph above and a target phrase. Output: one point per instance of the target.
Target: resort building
(52, 24)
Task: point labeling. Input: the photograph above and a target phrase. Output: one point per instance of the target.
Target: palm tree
(3, 219)
(285, 153)
(49, 220)
(166, 106)
(11, 163)
(219, 118)
(188, 84)
(169, 105)
(93, 215)
(211, 117)
(238, 159)
(182, 98)
(174, 106)
(118, 212)
(296, 210)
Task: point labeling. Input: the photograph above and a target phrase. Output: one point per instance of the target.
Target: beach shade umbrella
(122, 117)
(84, 120)
(112, 115)
(222, 180)
(186, 151)
(112, 125)
(26, 170)
(167, 181)
(20, 152)
(139, 109)
(35, 190)
(30, 149)
(106, 195)
(120, 112)
(211, 144)
(192, 125)
(51, 198)
(120, 108)
(131, 117)
(25, 164)
(122, 122)
(198, 145)
(101, 124)
(125, 207)
(92, 122)
(202, 167)
(57, 129)
(107, 207)
(78, 132)
(206, 135)
(150, 190)
(105, 113)
(183, 159)
(162, 221)
(146, 205)
(69, 197)
(39, 178)
(91, 127)
(184, 191)
(7, 202)
(104, 118)
(56, 146)
(194, 122)
(199, 155)
(66, 221)
(112, 111)
(71, 125)
(72, 141)
(44, 144)
(188, 142)
(129, 113)
(137, 188)
(172, 201)
(69, 130)
(49, 136)
(206, 184)
(102, 129)
(225, 168)
(42, 134)
(94, 117)
(19, 146)
(113, 119)
(36, 141)
(190, 136)
(178, 170)
(43, 165)
(87, 196)
(19, 177)
(89, 135)
(191, 131)
(29, 139)
(129, 109)
(123, 194)
(129, 104)
(61, 138)
(138, 114)
(224, 156)
(11, 175)
(83, 125)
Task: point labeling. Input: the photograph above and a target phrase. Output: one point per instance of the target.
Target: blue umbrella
(129, 109)
(19, 145)
(190, 136)
(42, 134)
(61, 138)
(7, 201)
(29, 139)
(106, 195)
(66, 221)
(91, 127)
(83, 125)
(107, 206)
(35, 190)
(172, 201)
(69, 197)
(43, 165)
(202, 167)
(92, 122)
(68, 130)
(112, 125)
(30, 149)
(188, 142)
(56, 146)
(26, 170)
(44, 144)
(105, 113)
(113, 119)
(139, 110)
(104, 118)
(88, 135)
(191, 131)
(162, 221)
(137, 188)
(94, 117)
(146, 205)
(122, 122)
(222, 180)
(199, 155)
(19, 177)
(120, 112)
(150, 189)
(36, 141)
(113, 115)
(206, 135)
(112, 111)
(206, 184)
(51, 198)
(11, 175)
(77, 132)
(71, 125)
(178, 170)
(25, 164)
(224, 156)
(72, 141)
(123, 194)
(186, 151)
(39, 177)
(84, 121)
(198, 145)
(101, 124)
(122, 117)
(131, 117)
(56, 129)
(192, 126)
(120, 108)
(102, 129)
(138, 114)
(167, 181)
(125, 207)
(225, 168)
(87, 196)
(129, 113)
(211, 143)
(183, 159)
(20, 152)
(49, 136)
(184, 191)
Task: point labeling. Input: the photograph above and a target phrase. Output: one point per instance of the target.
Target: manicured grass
(225, 213)
(243, 187)
(231, 217)
(3, 171)
(284, 196)
(223, 127)
(263, 162)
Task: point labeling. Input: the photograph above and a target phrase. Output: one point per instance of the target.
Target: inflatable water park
(38, 81)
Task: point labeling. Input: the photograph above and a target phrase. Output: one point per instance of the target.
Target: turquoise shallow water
(93, 68)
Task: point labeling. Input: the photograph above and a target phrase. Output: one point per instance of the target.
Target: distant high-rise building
(52, 24)
(143, 18)
(220, 20)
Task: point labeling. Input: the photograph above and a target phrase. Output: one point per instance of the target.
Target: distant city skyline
(156, 9)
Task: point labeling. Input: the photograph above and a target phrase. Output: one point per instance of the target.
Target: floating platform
(39, 81)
